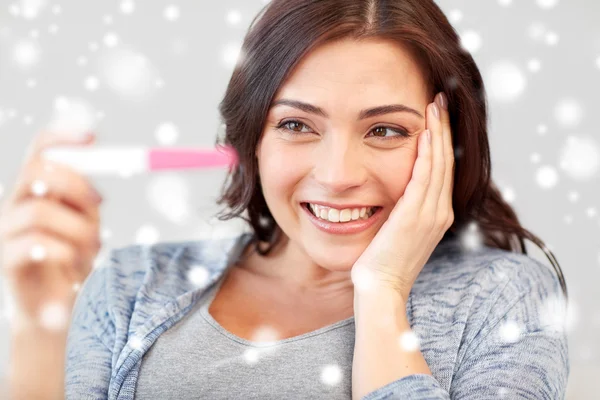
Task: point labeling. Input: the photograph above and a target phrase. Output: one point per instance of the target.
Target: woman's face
(342, 157)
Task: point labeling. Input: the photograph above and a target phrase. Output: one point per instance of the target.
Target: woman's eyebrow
(368, 113)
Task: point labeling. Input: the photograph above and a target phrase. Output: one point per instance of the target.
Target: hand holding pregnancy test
(74, 117)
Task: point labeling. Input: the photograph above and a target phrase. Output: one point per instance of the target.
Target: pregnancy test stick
(103, 160)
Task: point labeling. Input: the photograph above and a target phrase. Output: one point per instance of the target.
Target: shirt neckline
(212, 293)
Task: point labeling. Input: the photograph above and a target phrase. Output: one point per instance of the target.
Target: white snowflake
(568, 112)
(135, 342)
(471, 41)
(505, 81)
(54, 316)
(234, 17)
(127, 6)
(166, 133)
(551, 38)
(111, 39)
(39, 187)
(91, 83)
(547, 4)
(580, 157)
(471, 238)
(508, 194)
(331, 375)
(26, 53)
(535, 158)
(573, 196)
(198, 275)
(546, 177)
(172, 13)
(409, 341)
(147, 235)
(455, 16)
(510, 332)
(534, 65)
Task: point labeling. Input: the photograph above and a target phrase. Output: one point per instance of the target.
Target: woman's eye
(295, 127)
(293, 124)
(380, 131)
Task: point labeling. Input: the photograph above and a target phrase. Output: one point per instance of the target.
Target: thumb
(46, 139)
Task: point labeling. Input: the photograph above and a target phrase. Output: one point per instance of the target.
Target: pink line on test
(183, 158)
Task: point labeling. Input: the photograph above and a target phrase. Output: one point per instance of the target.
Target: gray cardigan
(488, 321)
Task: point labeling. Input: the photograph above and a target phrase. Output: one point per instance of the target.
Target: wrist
(36, 368)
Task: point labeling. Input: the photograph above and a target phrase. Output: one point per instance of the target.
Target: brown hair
(286, 30)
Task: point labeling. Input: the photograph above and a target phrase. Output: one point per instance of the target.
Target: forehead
(369, 71)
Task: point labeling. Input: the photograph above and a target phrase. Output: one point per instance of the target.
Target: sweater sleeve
(90, 341)
(520, 351)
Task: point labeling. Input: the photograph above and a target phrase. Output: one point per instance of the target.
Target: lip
(345, 228)
(337, 206)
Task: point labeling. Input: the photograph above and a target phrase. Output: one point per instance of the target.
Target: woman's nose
(339, 166)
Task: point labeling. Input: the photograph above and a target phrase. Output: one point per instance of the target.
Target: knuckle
(441, 221)
(36, 211)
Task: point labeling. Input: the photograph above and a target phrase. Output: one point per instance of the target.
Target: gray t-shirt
(208, 362)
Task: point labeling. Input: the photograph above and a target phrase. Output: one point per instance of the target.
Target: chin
(332, 257)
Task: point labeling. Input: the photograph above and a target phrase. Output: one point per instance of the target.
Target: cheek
(279, 170)
(395, 173)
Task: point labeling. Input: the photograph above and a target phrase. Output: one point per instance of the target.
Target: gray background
(152, 74)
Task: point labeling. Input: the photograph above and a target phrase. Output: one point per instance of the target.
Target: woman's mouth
(344, 221)
(340, 216)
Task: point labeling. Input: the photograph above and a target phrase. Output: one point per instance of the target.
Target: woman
(363, 168)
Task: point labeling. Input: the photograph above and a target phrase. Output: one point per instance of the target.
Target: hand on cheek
(419, 220)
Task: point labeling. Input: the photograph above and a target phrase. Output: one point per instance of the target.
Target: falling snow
(510, 332)
(198, 275)
(166, 133)
(111, 64)
(546, 177)
(54, 316)
(331, 375)
(580, 158)
(506, 82)
(471, 41)
(568, 113)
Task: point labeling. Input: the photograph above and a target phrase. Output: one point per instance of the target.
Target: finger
(41, 259)
(438, 165)
(57, 182)
(46, 139)
(448, 186)
(414, 194)
(37, 215)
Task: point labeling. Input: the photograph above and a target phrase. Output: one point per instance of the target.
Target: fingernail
(436, 110)
(443, 101)
(95, 196)
(76, 134)
(89, 135)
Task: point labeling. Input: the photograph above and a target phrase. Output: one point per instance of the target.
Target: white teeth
(334, 215)
(323, 213)
(345, 215)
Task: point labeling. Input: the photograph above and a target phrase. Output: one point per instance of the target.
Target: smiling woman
(365, 53)
(361, 132)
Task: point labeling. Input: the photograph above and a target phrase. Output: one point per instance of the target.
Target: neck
(289, 266)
